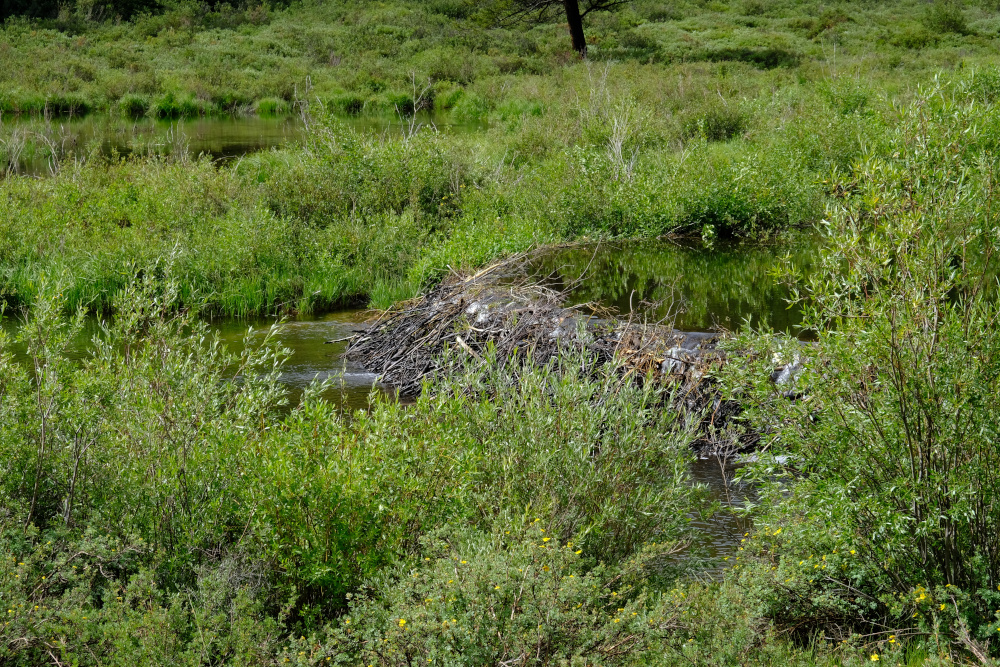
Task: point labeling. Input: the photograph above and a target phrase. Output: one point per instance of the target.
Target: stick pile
(519, 318)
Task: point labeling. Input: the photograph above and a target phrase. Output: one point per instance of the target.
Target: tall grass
(352, 217)
(209, 59)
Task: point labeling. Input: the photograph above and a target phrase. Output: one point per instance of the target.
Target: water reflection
(312, 357)
(709, 287)
(221, 138)
(723, 530)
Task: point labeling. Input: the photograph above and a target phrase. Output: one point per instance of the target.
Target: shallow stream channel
(707, 288)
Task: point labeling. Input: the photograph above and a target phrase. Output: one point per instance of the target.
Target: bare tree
(576, 11)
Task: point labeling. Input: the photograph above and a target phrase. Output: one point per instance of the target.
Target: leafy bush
(170, 106)
(486, 438)
(915, 38)
(68, 105)
(517, 596)
(847, 98)
(92, 599)
(347, 103)
(718, 123)
(133, 106)
(892, 499)
(983, 85)
(944, 16)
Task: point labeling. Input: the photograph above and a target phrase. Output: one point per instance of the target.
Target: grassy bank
(350, 217)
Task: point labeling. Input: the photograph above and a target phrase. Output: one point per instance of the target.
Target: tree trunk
(576, 26)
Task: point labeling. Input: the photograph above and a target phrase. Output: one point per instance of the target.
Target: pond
(694, 285)
(33, 144)
(708, 287)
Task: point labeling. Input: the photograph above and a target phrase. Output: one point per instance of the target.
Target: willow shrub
(134, 468)
(601, 464)
(888, 514)
(518, 595)
(142, 436)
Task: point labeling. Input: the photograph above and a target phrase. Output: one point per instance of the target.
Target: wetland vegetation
(166, 499)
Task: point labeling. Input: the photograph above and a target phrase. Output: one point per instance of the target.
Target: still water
(695, 286)
(224, 138)
(313, 358)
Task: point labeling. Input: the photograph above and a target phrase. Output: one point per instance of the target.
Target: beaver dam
(501, 314)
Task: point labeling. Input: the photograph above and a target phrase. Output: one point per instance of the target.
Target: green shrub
(133, 106)
(476, 598)
(638, 43)
(754, 7)
(984, 85)
(915, 38)
(829, 20)
(455, 9)
(333, 529)
(892, 517)
(471, 108)
(225, 101)
(718, 123)
(658, 13)
(447, 96)
(91, 599)
(402, 104)
(171, 106)
(68, 105)
(348, 104)
(847, 98)
(271, 106)
(944, 16)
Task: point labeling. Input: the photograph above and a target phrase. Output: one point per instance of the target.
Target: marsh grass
(356, 217)
(196, 60)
